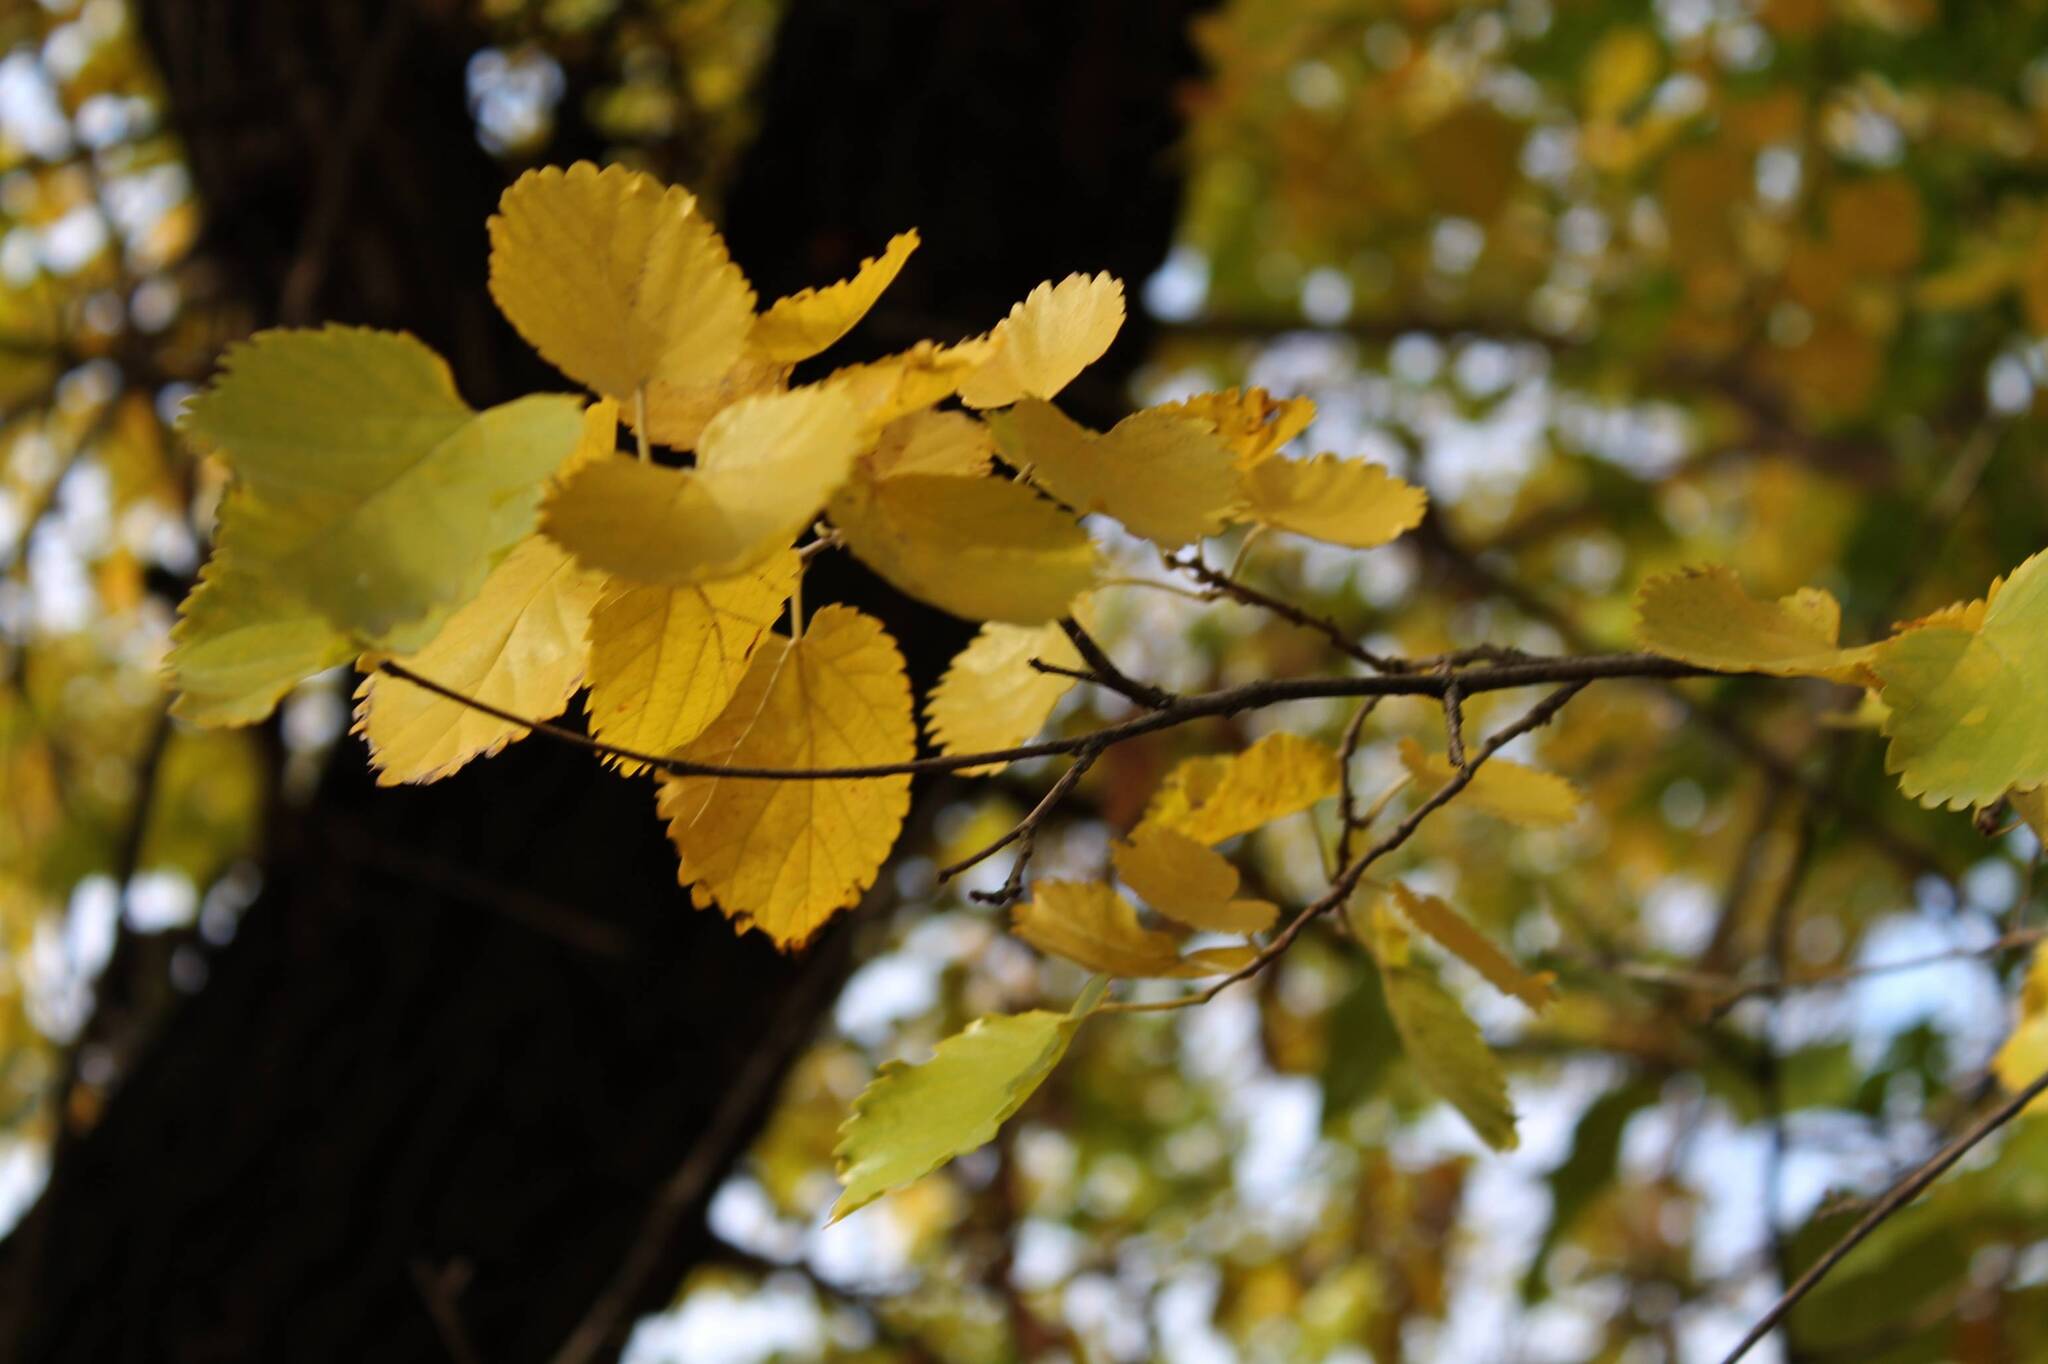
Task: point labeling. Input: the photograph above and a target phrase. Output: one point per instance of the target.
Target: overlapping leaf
(1211, 799)
(1505, 789)
(785, 855)
(897, 385)
(620, 282)
(1089, 923)
(931, 442)
(1188, 883)
(664, 661)
(992, 698)
(765, 466)
(367, 488)
(1251, 421)
(910, 1120)
(982, 548)
(517, 645)
(1352, 502)
(1167, 477)
(1055, 333)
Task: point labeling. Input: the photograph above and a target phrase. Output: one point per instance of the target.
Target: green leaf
(1965, 722)
(910, 1120)
(369, 490)
(1586, 1170)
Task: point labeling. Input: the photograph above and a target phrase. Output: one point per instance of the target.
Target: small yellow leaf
(784, 856)
(1352, 502)
(1702, 616)
(1505, 789)
(1457, 936)
(1211, 799)
(617, 281)
(1188, 883)
(2032, 808)
(764, 468)
(1055, 333)
(982, 548)
(664, 661)
(932, 443)
(992, 698)
(2023, 1058)
(1251, 421)
(1620, 70)
(1167, 477)
(677, 416)
(803, 324)
(1089, 923)
(516, 645)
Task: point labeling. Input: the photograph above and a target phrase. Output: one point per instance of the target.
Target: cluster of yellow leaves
(1958, 688)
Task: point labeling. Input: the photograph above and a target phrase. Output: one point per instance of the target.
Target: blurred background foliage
(1628, 286)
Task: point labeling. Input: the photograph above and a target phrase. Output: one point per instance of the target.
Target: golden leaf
(784, 856)
(798, 327)
(932, 443)
(1089, 923)
(1457, 936)
(1188, 883)
(1702, 616)
(1352, 502)
(1251, 421)
(992, 698)
(1505, 789)
(1167, 477)
(1055, 333)
(1211, 799)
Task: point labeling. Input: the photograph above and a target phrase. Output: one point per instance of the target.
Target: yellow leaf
(598, 440)
(1352, 502)
(1502, 788)
(1965, 722)
(1089, 923)
(1167, 477)
(765, 466)
(242, 642)
(367, 488)
(2032, 808)
(898, 385)
(618, 281)
(1457, 936)
(516, 645)
(783, 856)
(1211, 799)
(1188, 883)
(1702, 616)
(992, 698)
(1055, 333)
(1251, 421)
(664, 661)
(2024, 1057)
(932, 443)
(803, 324)
(677, 416)
(983, 548)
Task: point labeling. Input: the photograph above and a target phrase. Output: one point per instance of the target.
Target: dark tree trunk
(469, 1033)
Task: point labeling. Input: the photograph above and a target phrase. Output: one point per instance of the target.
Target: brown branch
(1107, 674)
(1223, 585)
(1024, 832)
(1228, 701)
(1350, 822)
(1898, 1196)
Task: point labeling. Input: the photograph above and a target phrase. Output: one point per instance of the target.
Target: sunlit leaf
(664, 661)
(1352, 502)
(910, 1120)
(982, 548)
(897, 385)
(803, 324)
(620, 282)
(1167, 477)
(765, 466)
(932, 443)
(517, 645)
(1055, 333)
(784, 856)
(1251, 421)
(992, 698)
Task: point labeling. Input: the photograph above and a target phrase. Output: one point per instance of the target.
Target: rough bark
(466, 1032)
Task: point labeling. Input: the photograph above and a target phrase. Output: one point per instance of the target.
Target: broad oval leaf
(1352, 502)
(1055, 333)
(1188, 883)
(1167, 477)
(1702, 616)
(784, 856)
(1211, 799)
(992, 698)
(1089, 923)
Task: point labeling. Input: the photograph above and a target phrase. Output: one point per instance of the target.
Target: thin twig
(1024, 831)
(1898, 1196)
(1349, 824)
(439, 1289)
(1107, 673)
(1223, 585)
(1347, 880)
(1454, 723)
(1228, 701)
